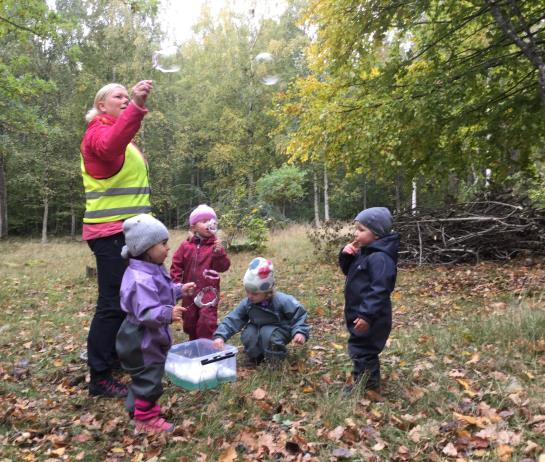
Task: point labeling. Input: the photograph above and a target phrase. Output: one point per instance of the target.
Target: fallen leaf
(342, 453)
(259, 394)
(504, 452)
(415, 434)
(379, 446)
(228, 455)
(336, 433)
(450, 450)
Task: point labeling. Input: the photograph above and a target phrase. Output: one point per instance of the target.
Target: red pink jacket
(192, 258)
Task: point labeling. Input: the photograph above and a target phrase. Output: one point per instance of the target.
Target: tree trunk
(413, 198)
(398, 192)
(192, 182)
(72, 222)
(44, 220)
(3, 199)
(521, 36)
(251, 187)
(487, 177)
(326, 194)
(316, 200)
(364, 192)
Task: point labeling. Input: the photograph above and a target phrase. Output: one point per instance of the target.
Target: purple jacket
(148, 296)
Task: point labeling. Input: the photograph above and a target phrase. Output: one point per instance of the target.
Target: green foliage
(281, 186)
(429, 90)
(243, 225)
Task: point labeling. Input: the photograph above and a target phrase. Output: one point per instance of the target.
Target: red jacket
(106, 138)
(191, 259)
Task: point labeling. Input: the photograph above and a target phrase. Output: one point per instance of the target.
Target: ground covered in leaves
(463, 371)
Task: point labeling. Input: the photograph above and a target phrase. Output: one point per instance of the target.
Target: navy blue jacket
(370, 279)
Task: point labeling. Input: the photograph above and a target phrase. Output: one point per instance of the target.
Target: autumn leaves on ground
(463, 372)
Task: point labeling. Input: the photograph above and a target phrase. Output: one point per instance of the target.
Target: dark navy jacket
(370, 279)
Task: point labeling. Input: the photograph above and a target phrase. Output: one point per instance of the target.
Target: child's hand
(219, 343)
(351, 248)
(361, 325)
(188, 289)
(177, 312)
(298, 339)
(217, 246)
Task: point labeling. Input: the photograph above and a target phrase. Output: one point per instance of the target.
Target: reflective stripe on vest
(106, 201)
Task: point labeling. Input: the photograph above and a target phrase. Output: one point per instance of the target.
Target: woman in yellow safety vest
(115, 178)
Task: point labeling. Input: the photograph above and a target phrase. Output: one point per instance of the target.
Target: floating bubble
(265, 68)
(167, 60)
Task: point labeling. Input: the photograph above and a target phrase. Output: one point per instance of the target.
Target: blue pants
(269, 342)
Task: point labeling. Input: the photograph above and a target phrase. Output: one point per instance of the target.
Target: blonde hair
(101, 96)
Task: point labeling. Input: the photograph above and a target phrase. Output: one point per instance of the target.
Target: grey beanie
(142, 232)
(377, 219)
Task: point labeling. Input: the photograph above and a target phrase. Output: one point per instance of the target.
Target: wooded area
(375, 101)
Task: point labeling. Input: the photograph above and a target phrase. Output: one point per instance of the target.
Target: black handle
(217, 358)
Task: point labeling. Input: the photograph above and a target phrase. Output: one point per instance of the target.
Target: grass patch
(463, 371)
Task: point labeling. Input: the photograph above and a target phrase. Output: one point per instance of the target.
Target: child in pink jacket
(200, 259)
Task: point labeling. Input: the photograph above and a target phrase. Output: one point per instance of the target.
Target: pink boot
(152, 426)
(147, 420)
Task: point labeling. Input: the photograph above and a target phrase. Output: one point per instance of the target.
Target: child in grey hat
(269, 319)
(148, 297)
(370, 265)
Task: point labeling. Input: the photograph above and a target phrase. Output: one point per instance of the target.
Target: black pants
(108, 316)
(146, 378)
(364, 350)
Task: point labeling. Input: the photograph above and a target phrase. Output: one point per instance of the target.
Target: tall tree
(24, 27)
(429, 87)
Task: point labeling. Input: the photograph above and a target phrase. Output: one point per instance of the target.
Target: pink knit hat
(202, 212)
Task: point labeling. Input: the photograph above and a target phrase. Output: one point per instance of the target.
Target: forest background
(375, 101)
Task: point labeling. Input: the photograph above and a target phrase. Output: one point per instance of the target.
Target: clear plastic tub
(198, 365)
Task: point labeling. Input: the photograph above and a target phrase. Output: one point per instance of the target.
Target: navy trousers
(364, 350)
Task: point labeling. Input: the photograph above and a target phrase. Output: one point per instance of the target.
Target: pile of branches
(471, 232)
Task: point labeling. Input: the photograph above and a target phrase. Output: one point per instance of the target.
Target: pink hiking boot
(153, 425)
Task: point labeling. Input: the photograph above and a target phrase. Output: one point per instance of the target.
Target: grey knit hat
(142, 232)
(377, 219)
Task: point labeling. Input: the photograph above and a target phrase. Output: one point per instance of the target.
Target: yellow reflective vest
(121, 196)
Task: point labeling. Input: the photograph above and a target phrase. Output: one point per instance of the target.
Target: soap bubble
(167, 60)
(265, 68)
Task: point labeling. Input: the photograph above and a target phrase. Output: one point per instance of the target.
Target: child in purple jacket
(148, 296)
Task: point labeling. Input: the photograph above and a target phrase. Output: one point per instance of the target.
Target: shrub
(329, 238)
(244, 232)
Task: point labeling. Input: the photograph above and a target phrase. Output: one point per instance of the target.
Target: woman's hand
(141, 91)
